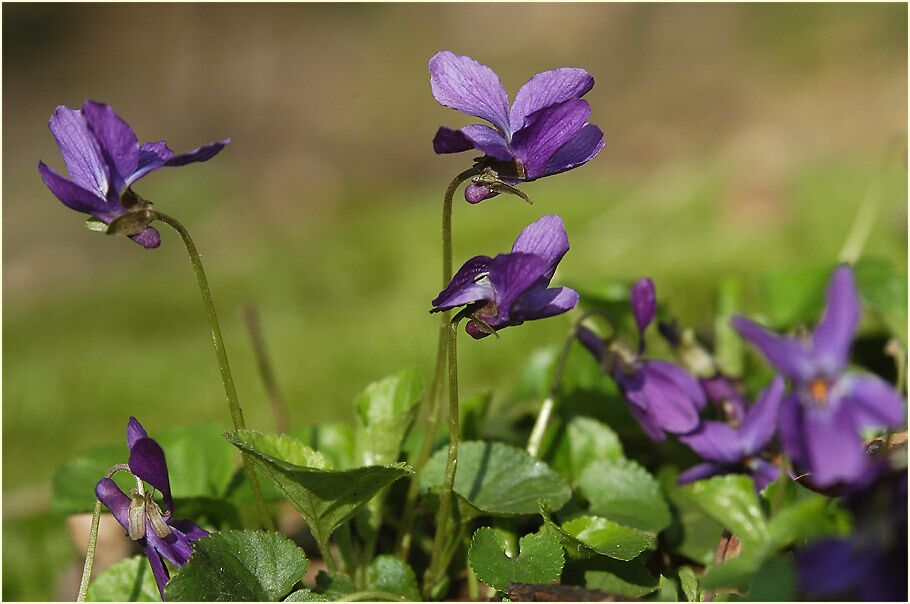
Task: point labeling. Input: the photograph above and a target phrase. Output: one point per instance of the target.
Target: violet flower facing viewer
(161, 535)
(728, 449)
(821, 420)
(104, 159)
(512, 288)
(544, 132)
(663, 396)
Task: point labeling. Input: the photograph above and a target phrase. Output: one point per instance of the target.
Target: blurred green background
(741, 140)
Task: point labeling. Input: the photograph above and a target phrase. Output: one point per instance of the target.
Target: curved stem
(437, 561)
(430, 406)
(227, 379)
(546, 409)
(279, 409)
(90, 552)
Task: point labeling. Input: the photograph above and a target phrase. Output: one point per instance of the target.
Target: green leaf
(334, 440)
(498, 479)
(626, 579)
(392, 575)
(693, 533)
(335, 586)
(540, 559)
(325, 498)
(806, 520)
(731, 500)
(775, 581)
(385, 410)
(585, 536)
(74, 481)
(735, 572)
(200, 463)
(305, 595)
(667, 590)
(885, 290)
(129, 580)
(793, 296)
(239, 566)
(623, 491)
(584, 441)
(93, 224)
(689, 583)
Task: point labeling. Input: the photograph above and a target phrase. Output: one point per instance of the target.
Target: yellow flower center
(819, 389)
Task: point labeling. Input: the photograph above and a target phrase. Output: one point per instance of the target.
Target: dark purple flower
(546, 130)
(512, 288)
(724, 394)
(821, 420)
(728, 450)
(663, 396)
(104, 159)
(161, 535)
(871, 564)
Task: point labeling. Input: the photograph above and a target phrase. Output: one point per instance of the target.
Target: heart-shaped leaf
(539, 560)
(623, 491)
(385, 410)
(586, 536)
(334, 440)
(731, 500)
(392, 575)
(129, 580)
(325, 498)
(693, 533)
(239, 566)
(498, 479)
(583, 441)
(305, 595)
(625, 579)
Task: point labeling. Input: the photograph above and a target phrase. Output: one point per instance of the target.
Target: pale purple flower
(544, 132)
(512, 288)
(728, 449)
(104, 159)
(821, 420)
(157, 532)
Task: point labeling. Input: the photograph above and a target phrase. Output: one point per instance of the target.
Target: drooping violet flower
(724, 394)
(870, 564)
(663, 396)
(104, 159)
(821, 420)
(161, 535)
(544, 132)
(512, 288)
(728, 450)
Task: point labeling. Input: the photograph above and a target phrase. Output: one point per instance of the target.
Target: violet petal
(148, 463)
(580, 149)
(716, 442)
(69, 193)
(117, 141)
(175, 548)
(699, 472)
(833, 335)
(546, 89)
(80, 150)
(488, 140)
(835, 449)
(721, 391)
(461, 83)
(545, 237)
(511, 276)
(644, 303)
(477, 193)
(134, 431)
(829, 566)
(656, 387)
(159, 570)
(763, 473)
(149, 238)
(151, 157)
(199, 154)
(540, 302)
(760, 423)
(871, 401)
(788, 355)
(545, 132)
(451, 141)
(464, 287)
(648, 423)
(790, 422)
(115, 500)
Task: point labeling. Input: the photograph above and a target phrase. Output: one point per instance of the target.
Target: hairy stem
(90, 552)
(437, 562)
(227, 379)
(546, 409)
(429, 411)
(279, 409)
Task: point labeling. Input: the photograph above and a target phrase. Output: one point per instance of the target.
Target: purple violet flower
(161, 535)
(104, 159)
(512, 288)
(724, 394)
(821, 420)
(663, 396)
(728, 449)
(544, 132)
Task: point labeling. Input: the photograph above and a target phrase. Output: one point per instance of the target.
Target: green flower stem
(90, 552)
(546, 409)
(430, 406)
(279, 409)
(226, 378)
(438, 560)
(330, 563)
